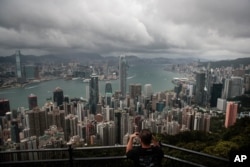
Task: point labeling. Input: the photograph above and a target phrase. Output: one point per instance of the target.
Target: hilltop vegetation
(217, 143)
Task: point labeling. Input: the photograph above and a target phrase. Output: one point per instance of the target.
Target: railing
(110, 156)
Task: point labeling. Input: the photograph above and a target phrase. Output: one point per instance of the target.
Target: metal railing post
(70, 155)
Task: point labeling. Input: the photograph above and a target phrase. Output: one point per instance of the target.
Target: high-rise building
(111, 131)
(200, 93)
(56, 117)
(135, 91)
(124, 124)
(102, 130)
(148, 90)
(208, 85)
(71, 122)
(32, 99)
(215, 94)
(19, 67)
(118, 138)
(108, 99)
(31, 72)
(247, 83)
(80, 111)
(233, 87)
(154, 101)
(108, 94)
(108, 87)
(36, 121)
(4, 106)
(160, 106)
(221, 104)
(58, 96)
(123, 76)
(93, 93)
(231, 114)
(206, 122)
(15, 131)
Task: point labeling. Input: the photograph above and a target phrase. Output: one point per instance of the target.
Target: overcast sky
(211, 29)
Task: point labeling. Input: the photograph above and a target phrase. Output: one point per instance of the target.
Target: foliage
(217, 143)
(221, 149)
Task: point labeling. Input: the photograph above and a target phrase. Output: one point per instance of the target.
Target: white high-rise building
(233, 87)
(111, 133)
(124, 124)
(148, 90)
(80, 111)
(221, 104)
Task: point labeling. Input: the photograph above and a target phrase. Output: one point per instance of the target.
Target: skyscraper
(18, 66)
(93, 93)
(108, 94)
(34, 122)
(118, 115)
(58, 96)
(32, 101)
(123, 75)
(4, 106)
(102, 130)
(200, 91)
(233, 87)
(231, 114)
(31, 72)
(247, 83)
(215, 94)
(148, 91)
(135, 91)
(15, 131)
(108, 87)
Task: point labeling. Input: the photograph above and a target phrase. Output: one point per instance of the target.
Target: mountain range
(88, 58)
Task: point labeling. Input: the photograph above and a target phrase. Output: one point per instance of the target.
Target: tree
(221, 149)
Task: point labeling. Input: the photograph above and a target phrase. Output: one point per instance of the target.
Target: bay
(154, 74)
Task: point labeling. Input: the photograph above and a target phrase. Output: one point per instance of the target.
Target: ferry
(180, 80)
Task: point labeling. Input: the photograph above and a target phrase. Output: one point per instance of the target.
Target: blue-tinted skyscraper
(123, 75)
(31, 72)
(108, 94)
(108, 87)
(93, 93)
(18, 66)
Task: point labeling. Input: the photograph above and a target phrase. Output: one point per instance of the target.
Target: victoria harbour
(160, 79)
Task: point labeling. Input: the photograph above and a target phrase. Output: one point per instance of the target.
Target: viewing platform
(104, 156)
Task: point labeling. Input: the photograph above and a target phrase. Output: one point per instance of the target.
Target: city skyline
(203, 102)
(203, 29)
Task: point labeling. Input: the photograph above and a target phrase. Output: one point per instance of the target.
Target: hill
(227, 63)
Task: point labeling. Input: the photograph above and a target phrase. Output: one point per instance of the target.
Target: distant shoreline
(27, 84)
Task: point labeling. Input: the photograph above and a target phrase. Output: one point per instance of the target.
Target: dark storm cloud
(208, 28)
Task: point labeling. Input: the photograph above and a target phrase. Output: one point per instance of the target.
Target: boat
(86, 80)
(75, 78)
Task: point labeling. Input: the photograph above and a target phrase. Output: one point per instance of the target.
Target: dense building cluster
(109, 119)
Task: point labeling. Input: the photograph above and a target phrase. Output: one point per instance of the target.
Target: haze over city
(204, 29)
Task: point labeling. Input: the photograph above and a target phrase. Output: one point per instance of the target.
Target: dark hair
(146, 136)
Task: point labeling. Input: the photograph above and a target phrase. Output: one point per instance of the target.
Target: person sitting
(148, 154)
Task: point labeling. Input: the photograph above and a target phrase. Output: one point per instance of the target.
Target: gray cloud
(209, 29)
